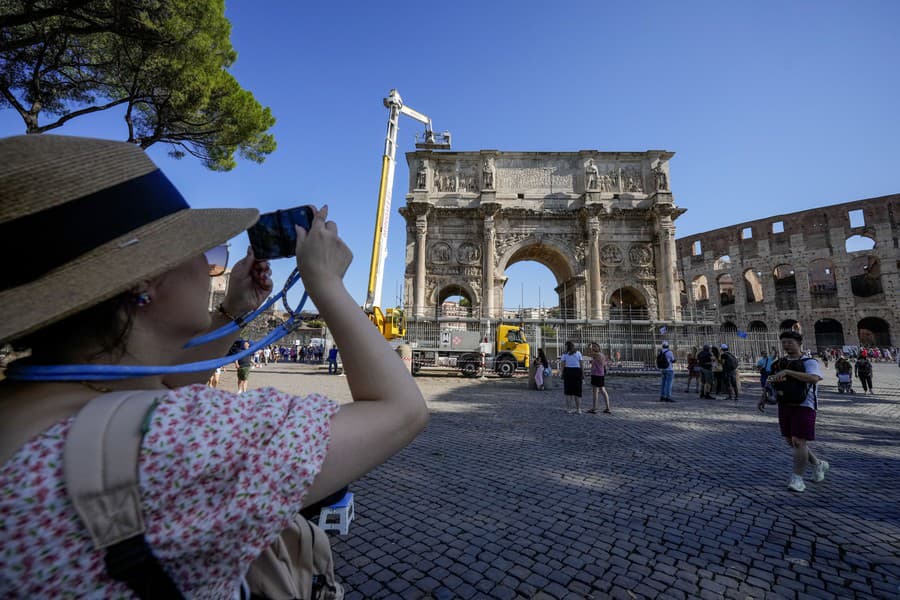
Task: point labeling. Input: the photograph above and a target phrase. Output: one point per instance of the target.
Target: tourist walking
(665, 363)
(572, 376)
(541, 369)
(599, 364)
(244, 365)
(863, 371)
(794, 378)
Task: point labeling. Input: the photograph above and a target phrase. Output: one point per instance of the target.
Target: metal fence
(627, 343)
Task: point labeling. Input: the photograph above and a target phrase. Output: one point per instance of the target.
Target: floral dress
(220, 476)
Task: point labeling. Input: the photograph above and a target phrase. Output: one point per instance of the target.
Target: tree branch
(15, 103)
(84, 111)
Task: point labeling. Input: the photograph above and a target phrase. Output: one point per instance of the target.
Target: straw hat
(82, 220)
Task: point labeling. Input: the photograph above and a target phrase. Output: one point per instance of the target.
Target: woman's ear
(142, 294)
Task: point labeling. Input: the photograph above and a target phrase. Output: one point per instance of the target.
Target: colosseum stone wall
(832, 273)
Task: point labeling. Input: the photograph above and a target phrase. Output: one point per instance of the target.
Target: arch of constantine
(601, 222)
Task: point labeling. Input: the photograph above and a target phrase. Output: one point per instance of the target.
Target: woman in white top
(572, 376)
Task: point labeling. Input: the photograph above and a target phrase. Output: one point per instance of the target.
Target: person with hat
(123, 280)
(664, 362)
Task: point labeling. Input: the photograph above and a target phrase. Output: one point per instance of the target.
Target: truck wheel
(416, 367)
(506, 368)
(469, 369)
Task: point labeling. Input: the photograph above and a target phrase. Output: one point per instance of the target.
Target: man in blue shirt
(664, 361)
(332, 360)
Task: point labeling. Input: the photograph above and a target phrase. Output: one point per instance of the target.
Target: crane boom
(395, 106)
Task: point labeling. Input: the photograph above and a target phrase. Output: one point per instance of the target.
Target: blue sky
(770, 107)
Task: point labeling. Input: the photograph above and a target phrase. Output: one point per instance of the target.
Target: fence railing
(626, 343)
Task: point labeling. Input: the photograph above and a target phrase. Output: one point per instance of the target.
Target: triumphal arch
(601, 222)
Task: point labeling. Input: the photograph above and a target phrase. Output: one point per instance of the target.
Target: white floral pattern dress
(220, 475)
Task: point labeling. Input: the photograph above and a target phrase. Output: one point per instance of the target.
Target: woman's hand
(249, 285)
(322, 256)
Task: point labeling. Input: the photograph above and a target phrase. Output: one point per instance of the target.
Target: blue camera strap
(235, 326)
(114, 372)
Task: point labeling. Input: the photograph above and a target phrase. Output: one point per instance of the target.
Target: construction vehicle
(390, 322)
(471, 353)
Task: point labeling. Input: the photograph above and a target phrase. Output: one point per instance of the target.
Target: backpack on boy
(790, 390)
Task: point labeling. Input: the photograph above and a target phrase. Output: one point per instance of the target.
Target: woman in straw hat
(118, 276)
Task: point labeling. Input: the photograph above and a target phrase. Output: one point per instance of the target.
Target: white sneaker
(819, 471)
(796, 484)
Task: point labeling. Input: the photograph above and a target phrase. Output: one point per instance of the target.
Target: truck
(464, 350)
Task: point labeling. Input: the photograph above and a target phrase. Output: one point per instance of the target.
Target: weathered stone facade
(602, 222)
(796, 270)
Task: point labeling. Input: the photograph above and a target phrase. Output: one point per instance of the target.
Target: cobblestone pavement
(506, 496)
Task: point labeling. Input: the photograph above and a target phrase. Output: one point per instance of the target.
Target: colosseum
(832, 273)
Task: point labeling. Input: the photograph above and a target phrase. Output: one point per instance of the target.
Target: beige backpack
(101, 476)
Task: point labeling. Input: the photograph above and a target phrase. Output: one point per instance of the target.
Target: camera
(274, 236)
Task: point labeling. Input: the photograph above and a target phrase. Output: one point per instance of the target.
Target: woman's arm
(388, 409)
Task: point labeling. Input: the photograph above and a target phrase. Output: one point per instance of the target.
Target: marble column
(421, 228)
(667, 290)
(488, 269)
(594, 249)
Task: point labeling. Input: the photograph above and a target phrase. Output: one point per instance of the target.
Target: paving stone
(538, 502)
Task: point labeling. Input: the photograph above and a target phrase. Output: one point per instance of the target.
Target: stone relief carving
(468, 182)
(487, 174)
(611, 254)
(468, 253)
(455, 178)
(444, 180)
(422, 175)
(439, 253)
(660, 178)
(632, 180)
(510, 239)
(609, 181)
(639, 255)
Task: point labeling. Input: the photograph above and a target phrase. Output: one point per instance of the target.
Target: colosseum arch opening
(874, 331)
(865, 276)
(753, 286)
(829, 334)
(823, 284)
(785, 287)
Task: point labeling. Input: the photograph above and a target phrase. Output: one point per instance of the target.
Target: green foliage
(164, 62)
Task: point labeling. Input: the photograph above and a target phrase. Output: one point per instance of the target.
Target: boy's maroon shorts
(797, 421)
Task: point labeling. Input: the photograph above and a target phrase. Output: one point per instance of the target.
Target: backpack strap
(100, 469)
